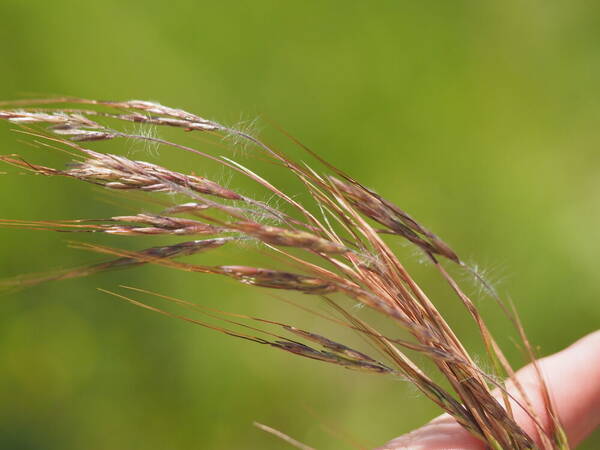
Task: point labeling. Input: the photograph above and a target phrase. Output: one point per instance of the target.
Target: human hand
(573, 378)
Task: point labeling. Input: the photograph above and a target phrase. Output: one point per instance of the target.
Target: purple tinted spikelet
(118, 172)
(397, 221)
(277, 279)
(289, 238)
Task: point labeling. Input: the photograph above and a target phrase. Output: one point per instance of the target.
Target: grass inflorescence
(341, 252)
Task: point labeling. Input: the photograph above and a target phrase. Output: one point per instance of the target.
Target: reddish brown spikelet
(77, 126)
(161, 225)
(167, 252)
(54, 118)
(331, 345)
(118, 172)
(149, 255)
(277, 279)
(396, 220)
(186, 207)
(289, 238)
(174, 117)
(348, 363)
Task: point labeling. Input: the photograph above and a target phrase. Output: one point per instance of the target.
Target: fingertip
(573, 377)
(442, 433)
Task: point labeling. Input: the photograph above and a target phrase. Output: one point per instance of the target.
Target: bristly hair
(145, 146)
(335, 250)
(239, 144)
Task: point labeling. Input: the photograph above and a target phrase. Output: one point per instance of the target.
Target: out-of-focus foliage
(480, 119)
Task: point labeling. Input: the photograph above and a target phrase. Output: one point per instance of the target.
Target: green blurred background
(479, 118)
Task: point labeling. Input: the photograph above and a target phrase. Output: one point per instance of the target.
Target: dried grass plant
(338, 253)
